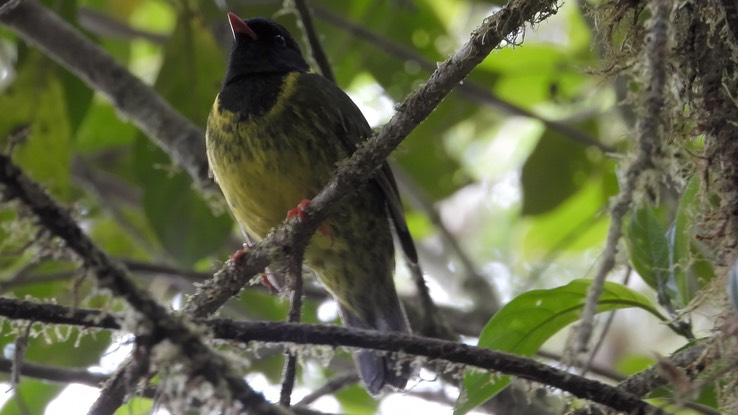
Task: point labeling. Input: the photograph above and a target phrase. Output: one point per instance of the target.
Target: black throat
(251, 95)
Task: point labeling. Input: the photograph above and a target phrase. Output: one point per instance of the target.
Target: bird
(274, 136)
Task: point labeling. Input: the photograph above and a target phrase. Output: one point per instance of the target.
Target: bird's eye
(280, 40)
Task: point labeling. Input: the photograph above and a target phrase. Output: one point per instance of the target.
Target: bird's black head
(261, 46)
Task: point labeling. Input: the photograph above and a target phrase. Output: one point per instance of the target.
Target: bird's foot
(264, 278)
(299, 212)
(240, 253)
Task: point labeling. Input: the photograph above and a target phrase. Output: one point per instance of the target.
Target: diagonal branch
(157, 324)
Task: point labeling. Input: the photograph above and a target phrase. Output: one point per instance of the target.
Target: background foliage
(523, 196)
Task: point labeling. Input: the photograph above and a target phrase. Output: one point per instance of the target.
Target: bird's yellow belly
(263, 188)
(265, 171)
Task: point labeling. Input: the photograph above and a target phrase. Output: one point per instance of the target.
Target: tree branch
(335, 336)
(157, 324)
(55, 374)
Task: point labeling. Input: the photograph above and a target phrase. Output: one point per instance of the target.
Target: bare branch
(434, 349)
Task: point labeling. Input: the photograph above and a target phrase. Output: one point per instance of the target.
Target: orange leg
(299, 212)
(240, 253)
(264, 279)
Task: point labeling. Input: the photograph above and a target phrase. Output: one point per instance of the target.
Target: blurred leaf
(575, 225)
(189, 78)
(691, 269)
(102, 129)
(557, 168)
(423, 156)
(632, 364)
(77, 349)
(394, 24)
(35, 394)
(180, 218)
(193, 68)
(36, 100)
(524, 324)
(648, 249)
(136, 406)
(354, 400)
(263, 306)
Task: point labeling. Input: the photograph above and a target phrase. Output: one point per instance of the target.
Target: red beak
(238, 26)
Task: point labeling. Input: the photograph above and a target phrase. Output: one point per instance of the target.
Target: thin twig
(334, 385)
(294, 277)
(649, 145)
(313, 41)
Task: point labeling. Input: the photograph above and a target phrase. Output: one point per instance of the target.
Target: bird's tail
(376, 368)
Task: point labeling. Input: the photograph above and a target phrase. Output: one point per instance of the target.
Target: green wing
(351, 130)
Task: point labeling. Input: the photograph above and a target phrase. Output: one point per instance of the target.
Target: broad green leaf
(649, 249)
(557, 168)
(36, 100)
(35, 395)
(524, 324)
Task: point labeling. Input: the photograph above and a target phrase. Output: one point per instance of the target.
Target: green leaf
(575, 225)
(355, 400)
(524, 324)
(423, 156)
(136, 406)
(557, 168)
(36, 100)
(182, 221)
(102, 129)
(193, 68)
(190, 78)
(649, 249)
(76, 349)
(35, 395)
(691, 269)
